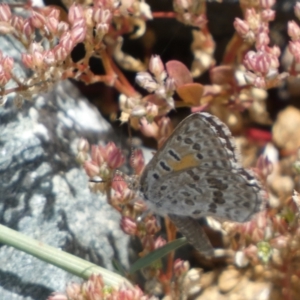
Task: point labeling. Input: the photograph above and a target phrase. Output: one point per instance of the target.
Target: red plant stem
(171, 235)
(121, 84)
(130, 91)
(164, 14)
(286, 284)
(232, 49)
(292, 69)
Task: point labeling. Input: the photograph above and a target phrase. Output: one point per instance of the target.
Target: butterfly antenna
(172, 38)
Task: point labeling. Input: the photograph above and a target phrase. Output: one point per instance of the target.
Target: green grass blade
(157, 254)
(56, 257)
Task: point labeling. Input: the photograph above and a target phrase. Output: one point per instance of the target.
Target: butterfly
(197, 173)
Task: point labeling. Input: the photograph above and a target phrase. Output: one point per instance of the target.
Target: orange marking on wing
(187, 161)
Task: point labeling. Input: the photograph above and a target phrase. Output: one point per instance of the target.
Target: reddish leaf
(179, 72)
(222, 75)
(153, 98)
(190, 93)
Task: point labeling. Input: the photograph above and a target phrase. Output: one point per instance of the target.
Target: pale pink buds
(262, 40)
(37, 59)
(58, 296)
(4, 78)
(78, 34)
(60, 53)
(137, 162)
(180, 267)
(75, 13)
(252, 19)
(156, 66)
(170, 86)
(37, 20)
(79, 23)
(115, 158)
(294, 48)
(62, 27)
(165, 127)
(128, 225)
(5, 28)
(151, 111)
(145, 80)
(27, 29)
(260, 82)
(73, 291)
(102, 29)
(97, 153)
(293, 30)
(241, 26)
(275, 51)
(67, 42)
(159, 242)
(249, 60)
(7, 63)
(17, 22)
(138, 111)
(101, 16)
(5, 13)
(148, 129)
(49, 57)
(274, 62)
(52, 24)
(127, 102)
(258, 62)
(51, 12)
(128, 293)
(127, 195)
(249, 77)
(182, 4)
(268, 15)
(27, 60)
(118, 184)
(91, 169)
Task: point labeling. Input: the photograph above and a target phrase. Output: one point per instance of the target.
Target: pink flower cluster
(273, 231)
(104, 160)
(189, 12)
(262, 64)
(155, 81)
(95, 288)
(49, 57)
(294, 33)
(81, 24)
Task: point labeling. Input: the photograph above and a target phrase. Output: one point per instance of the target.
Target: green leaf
(118, 267)
(157, 254)
(56, 257)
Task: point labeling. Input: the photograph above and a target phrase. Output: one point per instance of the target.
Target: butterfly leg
(194, 233)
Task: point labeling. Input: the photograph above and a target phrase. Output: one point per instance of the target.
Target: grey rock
(45, 194)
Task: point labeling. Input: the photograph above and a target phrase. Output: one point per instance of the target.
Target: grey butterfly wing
(194, 165)
(203, 139)
(200, 192)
